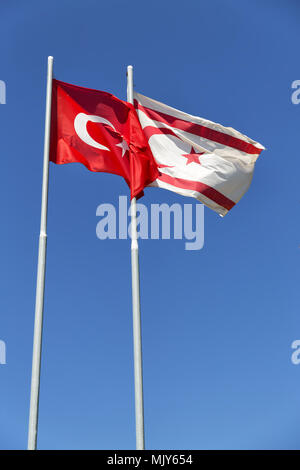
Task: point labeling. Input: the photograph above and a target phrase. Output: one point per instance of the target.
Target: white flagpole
(40, 284)
(137, 339)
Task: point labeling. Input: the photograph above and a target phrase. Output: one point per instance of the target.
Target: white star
(124, 147)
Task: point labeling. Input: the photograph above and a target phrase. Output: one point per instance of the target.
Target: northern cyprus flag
(197, 157)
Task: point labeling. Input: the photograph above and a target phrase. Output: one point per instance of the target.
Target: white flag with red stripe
(197, 157)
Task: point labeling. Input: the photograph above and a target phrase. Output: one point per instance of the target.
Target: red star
(193, 156)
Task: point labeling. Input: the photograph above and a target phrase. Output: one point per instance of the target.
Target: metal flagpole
(40, 284)
(137, 339)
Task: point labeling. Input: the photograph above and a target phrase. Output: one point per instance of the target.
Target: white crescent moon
(80, 123)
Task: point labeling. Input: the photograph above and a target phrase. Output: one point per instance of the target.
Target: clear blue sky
(217, 323)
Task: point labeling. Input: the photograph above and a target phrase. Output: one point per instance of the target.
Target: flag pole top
(129, 71)
(130, 84)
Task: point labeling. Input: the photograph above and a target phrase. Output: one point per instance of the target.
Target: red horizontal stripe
(200, 130)
(149, 131)
(202, 188)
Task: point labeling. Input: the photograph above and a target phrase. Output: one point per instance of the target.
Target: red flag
(102, 132)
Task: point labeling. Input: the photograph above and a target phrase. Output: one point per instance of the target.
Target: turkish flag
(102, 132)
